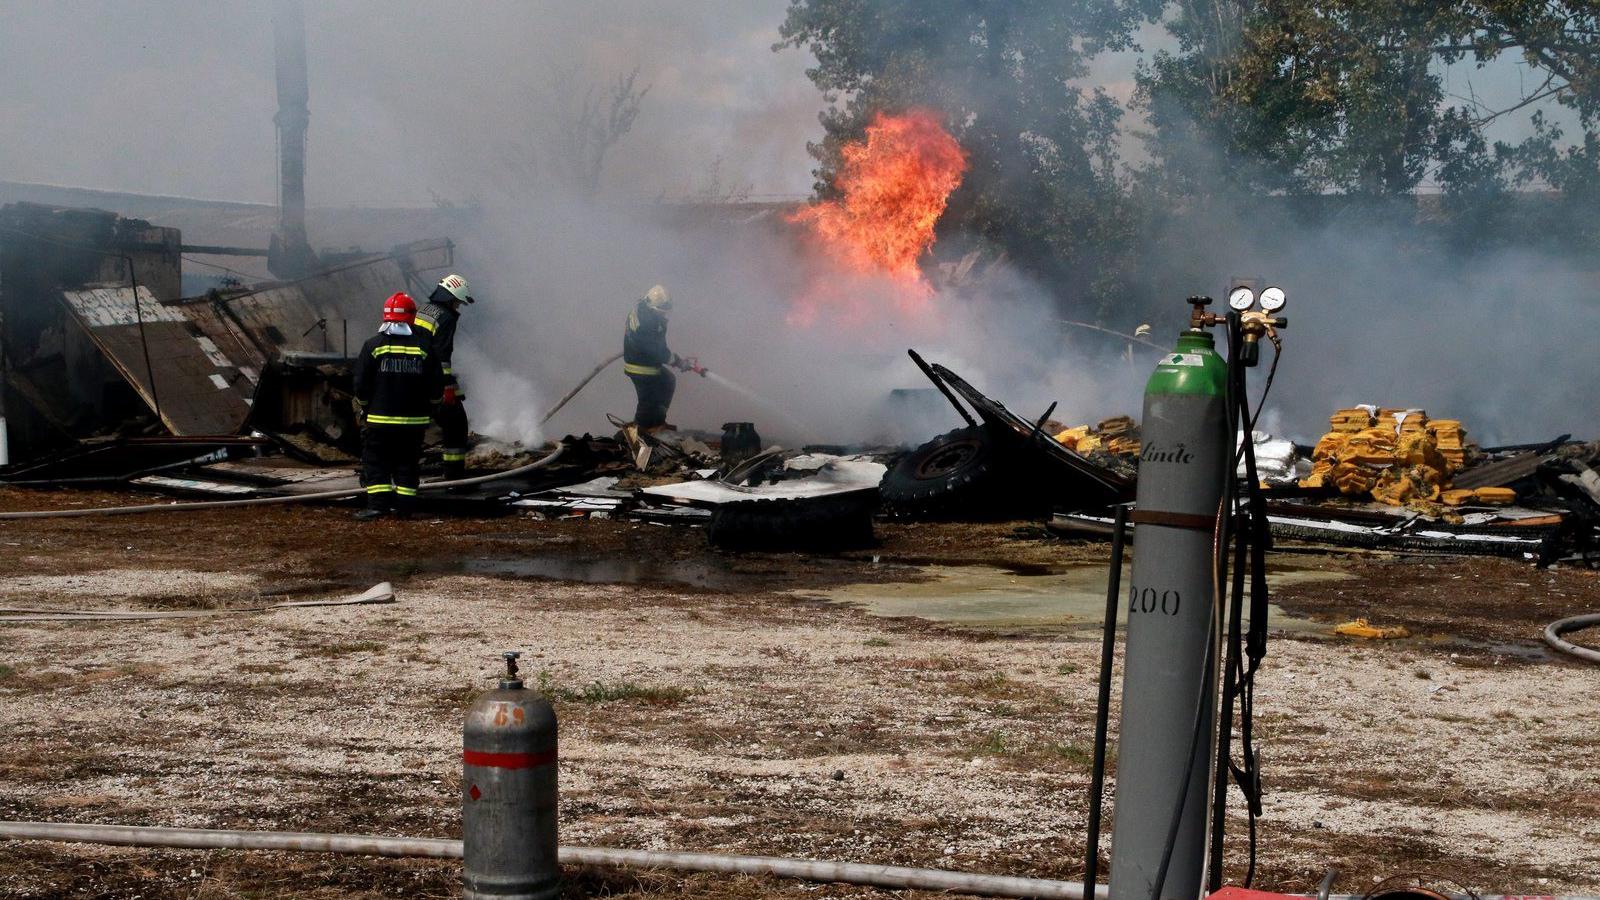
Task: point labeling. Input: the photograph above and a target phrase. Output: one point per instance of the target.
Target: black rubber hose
(1554, 631)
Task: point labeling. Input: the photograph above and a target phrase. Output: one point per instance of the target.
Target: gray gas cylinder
(1183, 461)
(508, 794)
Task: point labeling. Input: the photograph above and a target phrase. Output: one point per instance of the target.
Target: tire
(969, 473)
(820, 523)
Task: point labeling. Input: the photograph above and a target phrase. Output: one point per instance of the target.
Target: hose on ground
(272, 501)
(1554, 631)
(382, 592)
(892, 877)
(866, 874)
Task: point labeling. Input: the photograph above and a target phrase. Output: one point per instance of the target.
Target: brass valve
(1199, 318)
(1253, 325)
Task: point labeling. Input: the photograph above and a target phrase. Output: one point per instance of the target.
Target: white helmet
(457, 286)
(658, 299)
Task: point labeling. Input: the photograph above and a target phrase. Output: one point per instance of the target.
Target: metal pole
(943, 388)
(138, 315)
(1102, 713)
(1219, 811)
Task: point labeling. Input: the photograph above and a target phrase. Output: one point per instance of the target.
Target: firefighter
(646, 360)
(439, 319)
(399, 382)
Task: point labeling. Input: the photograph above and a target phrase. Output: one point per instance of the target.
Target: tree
(1043, 182)
(1348, 96)
(585, 123)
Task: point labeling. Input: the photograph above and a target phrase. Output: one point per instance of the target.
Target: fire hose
(273, 501)
(581, 385)
(866, 874)
(891, 877)
(1554, 631)
(381, 592)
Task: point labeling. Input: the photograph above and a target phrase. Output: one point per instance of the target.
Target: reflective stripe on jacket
(644, 344)
(440, 321)
(398, 379)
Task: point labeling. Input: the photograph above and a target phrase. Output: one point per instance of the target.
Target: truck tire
(969, 473)
(818, 523)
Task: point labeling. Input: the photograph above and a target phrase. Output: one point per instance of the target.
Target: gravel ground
(727, 713)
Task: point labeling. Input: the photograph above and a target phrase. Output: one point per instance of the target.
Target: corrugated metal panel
(198, 389)
(332, 311)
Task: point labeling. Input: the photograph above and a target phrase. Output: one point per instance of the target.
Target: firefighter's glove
(450, 396)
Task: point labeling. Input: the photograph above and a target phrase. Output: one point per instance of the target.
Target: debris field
(725, 702)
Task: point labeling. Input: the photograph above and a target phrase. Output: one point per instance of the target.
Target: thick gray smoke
(1496, 339)
(452, 104)
(735, 284)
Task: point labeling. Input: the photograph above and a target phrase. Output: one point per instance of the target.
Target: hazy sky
(415, 100)
(406, 98)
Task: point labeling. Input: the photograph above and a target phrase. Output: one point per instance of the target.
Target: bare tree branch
(585, 124)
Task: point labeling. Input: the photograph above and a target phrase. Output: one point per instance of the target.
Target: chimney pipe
(290, 255)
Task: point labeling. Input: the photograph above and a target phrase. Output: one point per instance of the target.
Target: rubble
(1001, 466)
(99, 343)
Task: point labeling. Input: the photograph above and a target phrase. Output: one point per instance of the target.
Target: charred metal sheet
(194, 486)
(312, 394)
(834, 478)
(996, 415)
(1502, 473)
(183, 375)
(1413, 534)
(109, 460)
(331, 311)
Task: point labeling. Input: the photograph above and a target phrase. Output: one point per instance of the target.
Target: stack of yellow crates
(1451, 439)
(1374, 446)
(1118, 435)
(1488, 496)
(1352, 420)
(1072, 437)
(1398, 456)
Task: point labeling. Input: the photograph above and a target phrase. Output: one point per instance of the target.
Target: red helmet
(400, 308)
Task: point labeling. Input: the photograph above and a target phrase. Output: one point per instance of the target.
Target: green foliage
(1003, 73)
(1261, 110)
(1348, 96)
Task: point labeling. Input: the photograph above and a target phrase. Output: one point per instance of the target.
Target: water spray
(802, 428)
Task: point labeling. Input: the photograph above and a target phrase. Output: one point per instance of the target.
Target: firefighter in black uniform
(646, 360)
(439, 319)
(399, 381)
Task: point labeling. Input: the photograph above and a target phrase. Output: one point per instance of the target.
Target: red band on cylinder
(507, 760)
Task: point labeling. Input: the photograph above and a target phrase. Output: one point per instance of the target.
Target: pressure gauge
(1273, 299)
(1242, 298)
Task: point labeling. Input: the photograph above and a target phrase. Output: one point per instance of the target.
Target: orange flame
(893, 187)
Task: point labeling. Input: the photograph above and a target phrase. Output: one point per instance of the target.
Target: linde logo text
(1157, 453)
